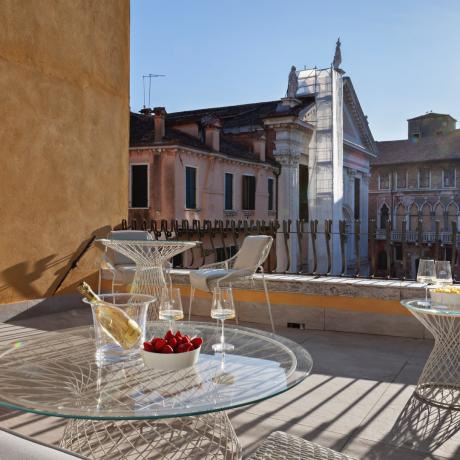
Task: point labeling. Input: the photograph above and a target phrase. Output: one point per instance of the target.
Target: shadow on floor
(422, 427)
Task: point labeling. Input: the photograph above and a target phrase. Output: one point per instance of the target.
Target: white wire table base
(149, 257)
(439, 382)
(204, 437)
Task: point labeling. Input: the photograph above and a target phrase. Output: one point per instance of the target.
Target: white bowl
(170, 361)
(445, 299)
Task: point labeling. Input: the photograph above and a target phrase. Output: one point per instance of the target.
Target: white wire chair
(283, 446)
(242, 266)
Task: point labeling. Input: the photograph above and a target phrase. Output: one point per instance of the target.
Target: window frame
(225, 191)
(418, 179)
(407, 180)
(196, 188)
(131, 186)
(455, 179)
(242, 191)
(273, 199)
(389, 181)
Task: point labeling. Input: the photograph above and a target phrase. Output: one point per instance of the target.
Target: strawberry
(178, 335)
(189, 347)
(167, 349)
(197, 342)
(169, 335)
(181, 348)
(148, 346)
(172, 342)
(159, 344)
(185, 339)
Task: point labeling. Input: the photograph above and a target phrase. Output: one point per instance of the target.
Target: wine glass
(443, 272)
(426, 275)
(222, 308)
(170, 306)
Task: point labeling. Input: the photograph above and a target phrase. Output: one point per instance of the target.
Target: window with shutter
(270, 193)
(228, 192)
(249, 193)
(139, 186)
(190, 187)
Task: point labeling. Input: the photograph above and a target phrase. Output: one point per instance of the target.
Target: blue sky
(402, 56)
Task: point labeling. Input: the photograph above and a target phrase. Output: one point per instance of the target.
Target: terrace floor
(358, 399)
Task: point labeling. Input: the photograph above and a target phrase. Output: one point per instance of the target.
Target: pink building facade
(186, 168)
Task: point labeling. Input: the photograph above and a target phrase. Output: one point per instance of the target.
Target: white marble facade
(330, 136)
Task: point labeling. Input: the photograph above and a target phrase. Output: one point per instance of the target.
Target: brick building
(414, 183)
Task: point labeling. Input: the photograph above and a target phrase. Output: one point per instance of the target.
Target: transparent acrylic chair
(242, 266)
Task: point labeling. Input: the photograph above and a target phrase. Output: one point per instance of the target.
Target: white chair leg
(268, 303)
(235, 304)
(192, 294)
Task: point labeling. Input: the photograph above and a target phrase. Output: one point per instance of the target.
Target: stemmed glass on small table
(426, 275)
(222, 308)
(170, 306)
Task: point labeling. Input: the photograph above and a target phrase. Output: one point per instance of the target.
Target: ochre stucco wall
(64, 122)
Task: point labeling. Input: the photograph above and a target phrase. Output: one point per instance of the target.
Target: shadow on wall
(21, 277)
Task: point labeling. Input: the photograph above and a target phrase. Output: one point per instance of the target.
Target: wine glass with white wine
(170, 306)
(426, 275)
(443, 273)
(222, 308)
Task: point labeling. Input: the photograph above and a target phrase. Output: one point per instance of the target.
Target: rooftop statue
(293, 83)
(337, 56)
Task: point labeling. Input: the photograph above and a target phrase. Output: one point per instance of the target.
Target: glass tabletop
(428, 307)
(57, 374)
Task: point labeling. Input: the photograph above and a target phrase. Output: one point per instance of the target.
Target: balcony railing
(376, 253)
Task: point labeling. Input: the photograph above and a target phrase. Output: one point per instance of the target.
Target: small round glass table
(439, 383)
(125, 410)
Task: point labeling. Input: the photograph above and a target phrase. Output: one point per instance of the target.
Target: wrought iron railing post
(454, 249)
(286, 235)
(313, 234)
(358, 247)
(343, 242)
(327, 239)
(388, 247)
(404, 250)
(372, 236)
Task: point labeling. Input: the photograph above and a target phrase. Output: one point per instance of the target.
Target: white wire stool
(283, 446)
(439, 382)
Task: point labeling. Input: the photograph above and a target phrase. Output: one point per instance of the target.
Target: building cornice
(157, 150)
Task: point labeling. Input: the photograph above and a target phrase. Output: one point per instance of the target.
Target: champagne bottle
(113, 320)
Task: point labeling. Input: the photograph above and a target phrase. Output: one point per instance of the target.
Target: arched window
(439, 215)
(413, 217)
(452, 215)
(426, 217)
(384, 216)
(400, 216)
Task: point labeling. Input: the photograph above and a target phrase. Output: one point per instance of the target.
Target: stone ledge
(327, 286)
(326, 303)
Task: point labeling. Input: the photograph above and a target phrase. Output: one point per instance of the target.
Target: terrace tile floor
(358, 399)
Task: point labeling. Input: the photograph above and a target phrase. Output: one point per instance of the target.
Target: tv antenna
(150, 76)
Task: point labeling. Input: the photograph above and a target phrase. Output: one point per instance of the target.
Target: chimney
(159, 121)
(212, 127)
(259, 147)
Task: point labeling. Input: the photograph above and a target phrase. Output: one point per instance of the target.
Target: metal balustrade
(389, 251)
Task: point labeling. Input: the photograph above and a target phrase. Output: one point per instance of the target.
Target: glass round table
(439, 382)
(125, 410)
